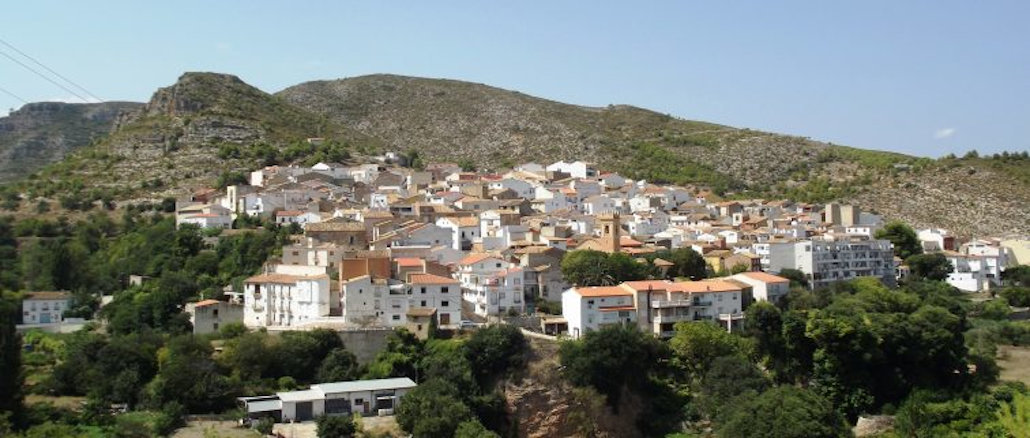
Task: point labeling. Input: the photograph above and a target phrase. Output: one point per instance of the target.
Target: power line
(51, 70)
(13, 95)
(43, 76)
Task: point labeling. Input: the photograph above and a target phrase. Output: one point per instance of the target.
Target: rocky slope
(173, 141)
(41, 133)
(177, 140)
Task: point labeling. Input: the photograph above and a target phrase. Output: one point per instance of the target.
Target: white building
(44, 307)
(208, 316)
(576, 169)
(591, 308)
(825, 260)
(764, 286)
(365, 397)
(464, 230)
(491, 285)
(284, 299)
(654, 305)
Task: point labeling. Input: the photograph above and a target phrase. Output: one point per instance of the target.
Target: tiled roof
(408, 262)
(336, 226)
(282, 278)
(206, 303)
(706, 286)
(430, 279)
(48, 295)
(474, 258)
(603, 291)
(766, 277)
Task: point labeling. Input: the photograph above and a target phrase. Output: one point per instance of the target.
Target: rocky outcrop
(38, 134)
(543, 405)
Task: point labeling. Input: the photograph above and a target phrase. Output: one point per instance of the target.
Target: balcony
(662, 304)
(662, 319)
(701, 303)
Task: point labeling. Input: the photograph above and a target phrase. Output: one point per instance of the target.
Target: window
(359, 401)
(216, 326)
(445, 303)
(444, 290)
(396, 317)
(423, 289)
(214, 312)
(423, 303)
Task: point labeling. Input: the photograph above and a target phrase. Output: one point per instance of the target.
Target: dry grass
(214, 429)
(1014, 363)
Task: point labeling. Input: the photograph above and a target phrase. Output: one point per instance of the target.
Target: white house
(521, 188)
(597, 204)
(287, 217)
(208, 316)
(44, 307)
(204, 216)
(591, 308)
(284, 299)
(764, 286)
(464, 230)
(491, 285)
(441, 293)
(576, 169)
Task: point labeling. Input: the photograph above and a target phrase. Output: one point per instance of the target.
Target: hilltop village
(390, 246)
(539, 300)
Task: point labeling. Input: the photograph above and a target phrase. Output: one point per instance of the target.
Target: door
(445, 318)
(304, 411)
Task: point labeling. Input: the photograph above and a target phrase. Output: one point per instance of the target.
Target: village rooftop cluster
(389, 246)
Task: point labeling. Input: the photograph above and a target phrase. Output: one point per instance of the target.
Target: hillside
(178, 140)
(41, 133)
(206, 124)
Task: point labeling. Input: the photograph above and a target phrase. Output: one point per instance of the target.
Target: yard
(1014, 363)
(214, 429)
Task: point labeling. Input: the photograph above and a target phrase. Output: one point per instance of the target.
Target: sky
(924, 78)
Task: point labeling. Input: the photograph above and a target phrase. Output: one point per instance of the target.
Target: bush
(335, 426)
(264, 425)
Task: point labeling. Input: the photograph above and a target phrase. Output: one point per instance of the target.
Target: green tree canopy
(906, 244)
(929, 266)
(784, 412)
(596, 268)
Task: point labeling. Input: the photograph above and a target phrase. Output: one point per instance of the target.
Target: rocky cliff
(38, 134)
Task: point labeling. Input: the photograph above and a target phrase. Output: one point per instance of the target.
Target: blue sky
(919, 77)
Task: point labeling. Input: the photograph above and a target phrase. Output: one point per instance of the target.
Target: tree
(697, 344)
(687, 263)
(496, 350)
(1014, 417)
(596, 268)
(474, 429)
(1017, 276)
(467, 165)
(10, 358)
(799, 413)
(796, 277)
(190, 377)
(729, 378)
(1016, 296)
(929, 266)
(335, 426)
(610, 359)
(432, 410)
(339, 365)
(906, 244)
(586, 268)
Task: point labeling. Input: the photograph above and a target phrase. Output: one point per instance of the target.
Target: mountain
(207, 124)
(179, 140)
(41, 133)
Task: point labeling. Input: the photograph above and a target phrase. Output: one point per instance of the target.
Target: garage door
(304, 411)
